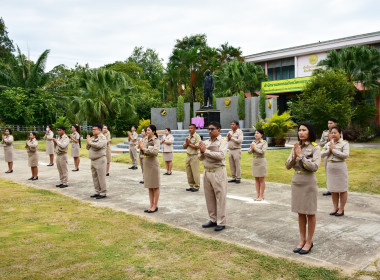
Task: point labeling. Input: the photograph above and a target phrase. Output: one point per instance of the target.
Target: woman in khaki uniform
(75, 145)
(141, 155)
(259, 163)
(337, 151)
(150, 148)
(49, 135)
(167, 150)
(31, 148)
(107, 134)
(7, 141)
(305, 159)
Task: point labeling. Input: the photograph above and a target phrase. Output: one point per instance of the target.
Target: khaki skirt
(75, 150)
(108, 154)
(304, 193)
(259, 167)
(8, 154)
(167, 156)
(33, 159)
(49, 147)
(142, 164)
(337, 176)
(151, 172)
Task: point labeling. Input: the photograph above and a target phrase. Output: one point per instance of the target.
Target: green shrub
(63, 121)
(213, 101)
(180, 109)
(262, 99)
(142, 124)
(241, 106)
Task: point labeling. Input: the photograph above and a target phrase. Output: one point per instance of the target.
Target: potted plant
(180, 112)
(241, 109)
(281, 125)
(268, 132)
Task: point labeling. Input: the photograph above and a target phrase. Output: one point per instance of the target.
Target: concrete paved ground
(350, 242)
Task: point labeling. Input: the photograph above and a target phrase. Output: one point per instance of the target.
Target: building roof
(362, 39)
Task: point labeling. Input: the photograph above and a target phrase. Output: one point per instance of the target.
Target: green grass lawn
(45, 235)
(363, 168)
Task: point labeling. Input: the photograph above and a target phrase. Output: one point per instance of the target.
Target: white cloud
(100, 32)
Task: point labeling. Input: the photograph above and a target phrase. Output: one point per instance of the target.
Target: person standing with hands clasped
(7, 141)
(31, 149)
(107, 134)
(235, 139)
(150, 147)
(167, 141)
(49, 136)
(61, 148)
(213, 155)
(305, 159)
(336, 151)
(132, 138)
(259, 163)
(97, 146)
(192, 161)
(141, 155)
(76, 145)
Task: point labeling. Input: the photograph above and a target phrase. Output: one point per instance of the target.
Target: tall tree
(102, 93)
(6, 44)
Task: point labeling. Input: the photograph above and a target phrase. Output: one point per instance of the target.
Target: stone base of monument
(209, 115)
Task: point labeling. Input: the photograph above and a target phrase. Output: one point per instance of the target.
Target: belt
(257, 157)
(332, 161)
(63, 153)
(148, 156)
(192, 155)
(304, 172)
(49, 139)
(132, 145)
(213, 170)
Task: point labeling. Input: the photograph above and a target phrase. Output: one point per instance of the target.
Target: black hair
(168, 129)
(105, 125)
(337, 128)
(133, 125)
(333, 120)
(310, 127)
(98, 126)
(193, 125)
(62, 128)
(260, 131)
(144, 129)
(216, 124)
(235, 122)
(35, 134)
(77, 127)
(154, 129)
(10, 130)
(49, 126)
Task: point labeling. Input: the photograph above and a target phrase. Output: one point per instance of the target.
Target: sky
(101, 32)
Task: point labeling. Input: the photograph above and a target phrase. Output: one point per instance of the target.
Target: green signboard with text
(289, 85)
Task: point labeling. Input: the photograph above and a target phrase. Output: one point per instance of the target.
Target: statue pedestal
(210, 115)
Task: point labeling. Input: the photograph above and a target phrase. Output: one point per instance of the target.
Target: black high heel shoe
(35, 179)
(9, 171)
(297, 250)
(31, 178)
(339, 214)
(333, 213)
(304, 252)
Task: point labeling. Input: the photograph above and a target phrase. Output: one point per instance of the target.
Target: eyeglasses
(211, 128)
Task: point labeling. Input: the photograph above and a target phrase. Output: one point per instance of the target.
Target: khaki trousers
(133, 154)
(62, 162)
(234, 157)
(215, 187)
(98, 170)
(192, 171)
(142, 165)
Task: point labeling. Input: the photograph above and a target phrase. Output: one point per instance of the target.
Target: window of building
(281, 69)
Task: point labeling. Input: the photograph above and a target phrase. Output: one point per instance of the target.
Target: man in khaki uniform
(61, 148)
(325, 139)
(213, 155)
(97, 146)
(235, 139)
(132, 138)
(192, 160)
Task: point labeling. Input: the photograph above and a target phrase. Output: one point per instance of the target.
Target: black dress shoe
(189, 189)
(209, 224)
(339, 214)
(50, 164)
(100, 196)
(333, 213)
(107, 174)
(135, 167)
(304, 252)
(237, 181)
(219, 228)
(141, 182)
(75, 170)
(132, 167)
(232, 181)
(31, 178)
(63, 186)
(146, 211)
(95, 195)
(327, 193)
(35, 179)
(194, 190)
(297, 250)
(166, 173)
(58, 186)
(9, 171)
(150, 211)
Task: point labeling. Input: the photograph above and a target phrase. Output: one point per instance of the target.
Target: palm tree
(361, 64)
(24, 73)
(102, 93)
